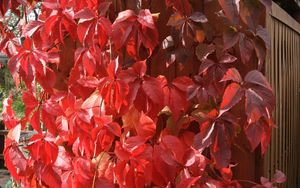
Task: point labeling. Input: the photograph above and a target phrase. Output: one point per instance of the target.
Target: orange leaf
(200, 36)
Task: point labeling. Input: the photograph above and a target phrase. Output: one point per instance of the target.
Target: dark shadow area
(291, 7)
(1, 146)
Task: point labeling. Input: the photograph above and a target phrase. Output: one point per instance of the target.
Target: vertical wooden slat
(284, 76)
(290, 107)
(291, 113)
(287, 97)
(297, 57)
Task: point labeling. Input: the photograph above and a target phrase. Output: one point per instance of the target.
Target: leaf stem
(247, 181)
(95, 174)
(55, 44)
(110, 50)
(25, 14)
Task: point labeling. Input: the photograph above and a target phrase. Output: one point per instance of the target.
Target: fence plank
(283, 73)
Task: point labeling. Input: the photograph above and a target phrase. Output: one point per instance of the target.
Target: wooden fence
(283, 71)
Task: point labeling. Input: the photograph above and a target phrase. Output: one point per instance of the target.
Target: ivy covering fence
(136, 93)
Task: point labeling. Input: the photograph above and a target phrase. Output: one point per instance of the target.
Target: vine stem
(55, 44)
(95, 174)
(247, 181)
(25, 14)
(110, 50)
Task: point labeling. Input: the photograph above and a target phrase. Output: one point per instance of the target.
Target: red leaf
(266, 138)
(93, 28)
(182, 6)
(146, 126)
(94, 105)
(204, 50)
(114, 128)
(58, 23)
(31, 28)
(267, 3)
(250, 12)
(162, 173)
(211, 182)
(265, 183)
(140, 68)
(199, 36)
(230, 9)
(232, 74)
(15, 133)
(49, 122)
(255, 106)
(101, 182)
(189, 157)
(176, 20)
(30, 102)
(133, 144)
(47, 81)
(279, 177)
(198, 90)
(227, 58)
(173, 149)
(15, 160)
(47, 151)
(145, 91)
(85, 14)
(51, 4)
(52, 152)
(254, 133)
(259, 97)
(189, 182)
(220, 150)
(227, 173)
(28, 62)
(204, 138)
(35, 121)
(153, 90)
(198, 17)
(246, 48)
(5, 5)
(89, 81)
(176, 95)
(50, 177)
(141, 123)
(130, 30)
(232, 95)
(82, 167)
(205, 65)
(122, 29)
(261, 51)
(8, 115)
(131, 118)
(263, 34)
(52, 107)
(89, 63)
(258, 132)
(63, 160)
(114, 94)
(230, 37)
(104, 7)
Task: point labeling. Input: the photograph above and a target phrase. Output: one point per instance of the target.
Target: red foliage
(114, 124)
